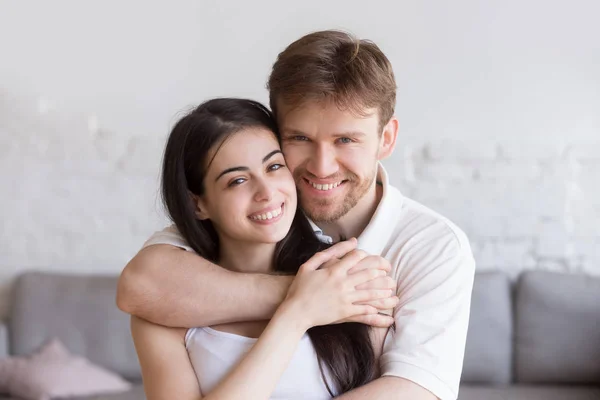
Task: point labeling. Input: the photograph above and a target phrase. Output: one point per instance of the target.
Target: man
(334, 99)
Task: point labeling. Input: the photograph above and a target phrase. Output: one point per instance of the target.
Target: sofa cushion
(488, 354)
(79, 310)
(54, 372)
(519, 392)
(557, 328)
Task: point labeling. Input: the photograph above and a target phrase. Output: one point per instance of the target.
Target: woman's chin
(271, 237)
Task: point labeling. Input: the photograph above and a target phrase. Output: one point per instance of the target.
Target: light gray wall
(498, 101)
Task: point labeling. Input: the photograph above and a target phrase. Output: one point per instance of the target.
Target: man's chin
(322, 214)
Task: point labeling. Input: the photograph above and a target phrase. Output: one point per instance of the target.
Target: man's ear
(199, 207)
(388, 139)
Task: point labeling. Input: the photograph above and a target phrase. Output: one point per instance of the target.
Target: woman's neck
(246, 257)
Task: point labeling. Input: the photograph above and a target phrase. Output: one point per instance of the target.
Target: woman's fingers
(340, 249)
(336, 251)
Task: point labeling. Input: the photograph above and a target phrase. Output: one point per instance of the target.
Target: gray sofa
(536, 339)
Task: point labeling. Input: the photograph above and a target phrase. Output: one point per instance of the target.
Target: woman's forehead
(244, 148)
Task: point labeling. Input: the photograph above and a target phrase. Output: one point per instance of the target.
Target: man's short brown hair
(334, 66)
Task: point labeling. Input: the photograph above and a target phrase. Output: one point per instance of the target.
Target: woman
(233, 201)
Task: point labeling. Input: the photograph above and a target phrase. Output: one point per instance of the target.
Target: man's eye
(236, 182)
(275, 167)
(345, 140)
(300, 138)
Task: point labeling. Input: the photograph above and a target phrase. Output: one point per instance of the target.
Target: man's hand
(332, 256)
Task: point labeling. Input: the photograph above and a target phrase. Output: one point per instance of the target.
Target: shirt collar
(319, 232)
(382, 224)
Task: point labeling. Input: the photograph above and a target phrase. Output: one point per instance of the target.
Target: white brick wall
(524, 205)
(498, 110)
(79, 198)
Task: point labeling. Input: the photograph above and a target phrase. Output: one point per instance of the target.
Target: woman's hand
(324, 296)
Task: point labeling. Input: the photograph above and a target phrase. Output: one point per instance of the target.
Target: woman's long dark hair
(344, 349)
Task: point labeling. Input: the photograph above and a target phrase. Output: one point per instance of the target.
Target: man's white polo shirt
(433, 264)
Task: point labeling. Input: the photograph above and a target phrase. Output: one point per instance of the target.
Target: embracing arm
(169, 286)
(315, 298)
(389, 387)
(173, 287)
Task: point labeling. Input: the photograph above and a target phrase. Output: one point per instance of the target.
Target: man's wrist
(273, 290)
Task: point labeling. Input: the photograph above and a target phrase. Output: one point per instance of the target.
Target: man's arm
(169, 286)
(389, 387)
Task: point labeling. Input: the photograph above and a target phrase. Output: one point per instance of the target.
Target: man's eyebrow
(235, 169)
(353, 134)
(290, 132)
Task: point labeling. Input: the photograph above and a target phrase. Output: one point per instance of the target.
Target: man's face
(333, 157)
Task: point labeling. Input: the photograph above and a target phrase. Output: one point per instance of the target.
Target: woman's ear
(199, 207)
(388, 139)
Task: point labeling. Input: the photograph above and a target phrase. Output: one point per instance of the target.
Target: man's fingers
(369, 263)
(383, 282)
(350, 260)
(383, 304)
(375, 320)
(363, 277)
(365, 296)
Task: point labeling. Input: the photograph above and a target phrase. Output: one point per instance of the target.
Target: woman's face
(249, 194)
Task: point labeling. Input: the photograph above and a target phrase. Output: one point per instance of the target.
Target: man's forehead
(325, 106)
(314, 116)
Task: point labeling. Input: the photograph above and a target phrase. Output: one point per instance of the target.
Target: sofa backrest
(557, 328)
(79, 310)
(550, 333)
(488, 354)
(3, 340)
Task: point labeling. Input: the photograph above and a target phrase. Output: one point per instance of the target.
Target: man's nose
(323, 162)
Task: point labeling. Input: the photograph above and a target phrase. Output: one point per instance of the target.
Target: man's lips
(324, 187)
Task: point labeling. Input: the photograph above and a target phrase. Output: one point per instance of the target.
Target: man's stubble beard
(329, 210)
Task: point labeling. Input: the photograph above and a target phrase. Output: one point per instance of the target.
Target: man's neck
(245, 256)
(356, 220)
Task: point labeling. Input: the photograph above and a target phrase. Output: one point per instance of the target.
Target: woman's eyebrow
(235, 169)
(271, 154)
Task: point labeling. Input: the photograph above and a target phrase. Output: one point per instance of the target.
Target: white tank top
(214, 353)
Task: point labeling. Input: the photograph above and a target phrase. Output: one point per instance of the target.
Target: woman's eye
(237, 181)
(275, 167)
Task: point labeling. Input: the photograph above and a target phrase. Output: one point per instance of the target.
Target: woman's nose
(264, 192)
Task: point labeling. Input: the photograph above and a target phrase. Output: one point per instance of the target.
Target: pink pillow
(54, 372)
